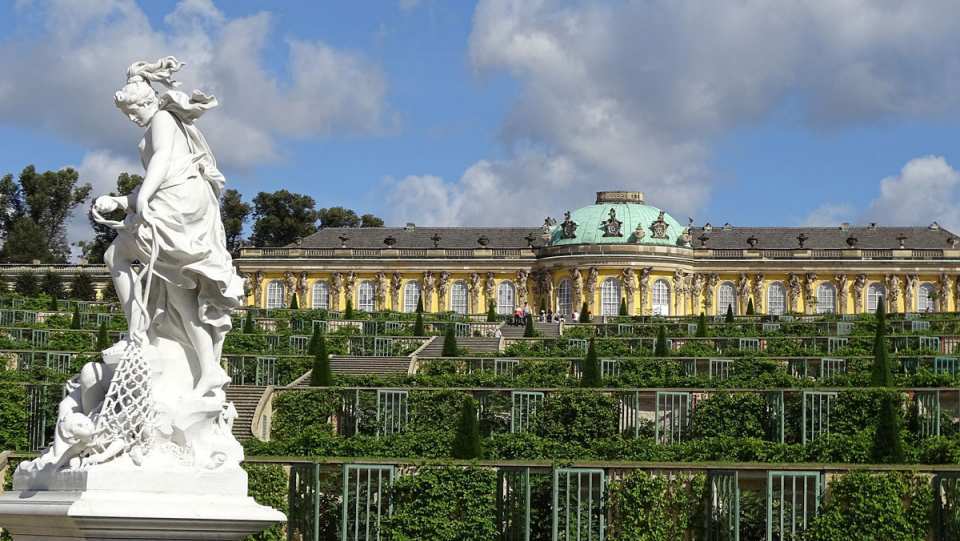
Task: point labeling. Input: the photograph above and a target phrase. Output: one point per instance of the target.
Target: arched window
(925, 298)
(610, 297)
(726, 296)
(411, 294)
(321, 296)
(565, 298)
(275, 294)
(505, 298)
(365, 297)
(776, 299)
(661, 298)
(826, 299)
(874, 296)
(458, 297)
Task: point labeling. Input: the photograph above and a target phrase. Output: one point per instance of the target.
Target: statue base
(106, 503)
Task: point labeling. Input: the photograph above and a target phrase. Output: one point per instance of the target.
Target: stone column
(757, 291)
(427, 285)
(809, 293)
(442, 282)
(521, 288)
(591, 288)
(679, 287)
(743, 293)
(628, 281)
(912, 285)
(859, 283)
(793, 292)
(396, 281)
(336, 286)
(840, 282)
(473, 289)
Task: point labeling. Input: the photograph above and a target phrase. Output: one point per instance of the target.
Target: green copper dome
(617, 218)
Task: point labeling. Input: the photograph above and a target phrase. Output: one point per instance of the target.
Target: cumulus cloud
(633, 95)
(64, 78)
(927, 189)
(100, 168)
(829, 214)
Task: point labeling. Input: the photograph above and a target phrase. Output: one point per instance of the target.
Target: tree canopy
(344, 217)
(281, 217)
(235, 214)
(104, 235)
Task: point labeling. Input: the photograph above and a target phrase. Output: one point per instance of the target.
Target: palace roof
(424, 237)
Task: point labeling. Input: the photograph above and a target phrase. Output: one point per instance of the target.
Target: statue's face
(141, 112)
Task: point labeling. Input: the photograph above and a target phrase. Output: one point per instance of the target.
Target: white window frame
(320, 296)
(506, 298)
(726, 296)
(275, 294)
(661, 298)
(826, 298)
(565, 297)
(610, 297)
(366, 297)
(458, 297)
(924, 302)
(776, 306)
(411, 294)
(875, 294)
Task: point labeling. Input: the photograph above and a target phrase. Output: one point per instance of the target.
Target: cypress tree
(623, 307)
(52, 285)
(702, 325)
(528, 329)
(584, 314)
(248, 327)
(294, 303)
(418, 326)
(103, 338)
(887, 442)
(881, 375)
(491, 313)
(591, 368)
(450, 343)
(26, 284)
(54, 306)
(467, 442)
(314, 346)
(4, 286)
(729, 317)
(82, 287)
(321, 375)
(543, 305)
(348, 311)
(750, 309)
(75, 321)
(419, 305)
(660, 348)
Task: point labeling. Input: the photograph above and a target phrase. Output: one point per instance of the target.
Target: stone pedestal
(119, 503)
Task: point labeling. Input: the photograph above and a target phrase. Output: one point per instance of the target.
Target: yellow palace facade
(617, 248)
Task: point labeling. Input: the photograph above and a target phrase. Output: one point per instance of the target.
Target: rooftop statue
(158, 398)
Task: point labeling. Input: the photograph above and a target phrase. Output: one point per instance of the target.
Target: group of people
(520, 315)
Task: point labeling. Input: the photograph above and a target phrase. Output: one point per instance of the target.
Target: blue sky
(503, 112)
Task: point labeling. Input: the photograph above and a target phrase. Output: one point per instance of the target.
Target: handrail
(264, 404)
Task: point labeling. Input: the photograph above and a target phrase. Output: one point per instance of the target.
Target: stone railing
(831, 253)
(422, 253)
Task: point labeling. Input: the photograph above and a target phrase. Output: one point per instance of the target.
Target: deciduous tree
(281, 217)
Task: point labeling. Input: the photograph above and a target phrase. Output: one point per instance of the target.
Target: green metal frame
(266, 371)
(723, 506)
(720, 369)
(946, 496)
(817, 406)
(609, 368)
(831, 366)
(778, 527)
(505, 367)
(629, 406)
(362, 522)
(393, 411)
(749, 344)
(677, 404)
(589, 522)
(523, 404)
(946, 365)
(382, 346)
(835, 343)
(513, 504)
(775, 415)
(927, 404)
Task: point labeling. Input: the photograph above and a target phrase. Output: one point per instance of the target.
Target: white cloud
(633, 95)
(65, 78)
(925, 190)
(829, 214)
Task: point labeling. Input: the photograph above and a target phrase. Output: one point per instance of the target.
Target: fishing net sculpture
(127, 414)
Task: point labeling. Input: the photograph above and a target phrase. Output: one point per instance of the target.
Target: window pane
(411, 294)
(610, 297)
(275, 294)
(726, 296)
(661, 298)
(458, 298)
(776, 299)
(321, 296)
(365, 297)
(826, 299)
(565, 298)
(505, 298)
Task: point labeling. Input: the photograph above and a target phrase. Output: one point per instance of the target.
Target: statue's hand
(105, 204)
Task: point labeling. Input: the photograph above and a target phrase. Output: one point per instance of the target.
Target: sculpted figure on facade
(793, 292)
(593, 275)
(546, 228)
(644, 288)
(302, 285)
(522, 277)
(380, 290)
(489, 287)
(576, 278)
(336, 286)
(427, 285)
(893, 285)
(809, 292)
(257, 285)
(859, 283)
(840, 282)
(679, 288)
(289, 287)
(396, 281)
(628, 281)
(756, 288)
(696, 291)
(443, 280)
(612, 227)
(709, 287)
(473, 288)
(659, 227)
(943, 292)
(568, 228)
(911, 287)
(349, 281)
(248, 286)
(743, 292)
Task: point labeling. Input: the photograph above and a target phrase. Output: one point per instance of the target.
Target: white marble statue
(158, 398)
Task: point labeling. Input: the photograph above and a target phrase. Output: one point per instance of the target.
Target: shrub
(26, 284)
(418, 324)
(52, 285)
(75, 320)
(881, 376)
(584, 313)
(750, 310)
(103, 337)
(248, 327)
(729, 317)
(491, 313)
(348, 311)
(591, 368)
(888, 439)
(294, 303)
(702, 326)
(529, 331)
(320, 374)
(623, 307)
(660, 349)
(650, 507)
(82, 287)
(450, 343)
(467, 442)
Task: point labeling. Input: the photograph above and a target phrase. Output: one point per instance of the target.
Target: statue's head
(137, 99)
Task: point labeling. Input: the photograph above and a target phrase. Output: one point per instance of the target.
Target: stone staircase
(245, 398)
(383, 366)
(544, 330)
(473, 344)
